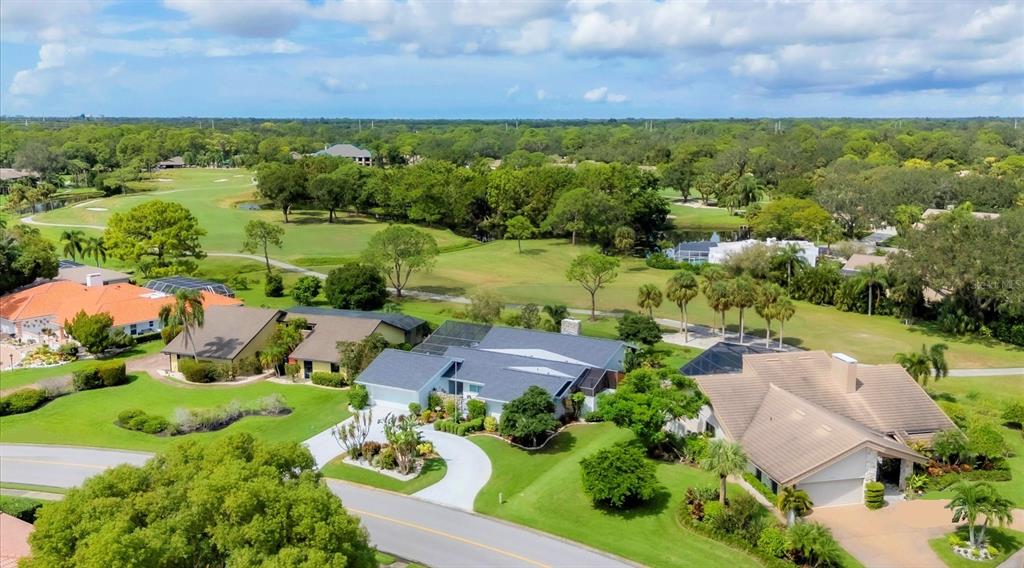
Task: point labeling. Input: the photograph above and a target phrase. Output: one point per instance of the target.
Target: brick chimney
(844, 372)
(94, 279)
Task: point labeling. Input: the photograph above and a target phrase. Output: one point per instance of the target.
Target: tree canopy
(160, 237)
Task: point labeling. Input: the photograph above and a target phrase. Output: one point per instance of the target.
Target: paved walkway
(986, 372)
(896, 536)
(469, 468)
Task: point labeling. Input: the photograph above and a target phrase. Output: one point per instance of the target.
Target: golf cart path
(412, 528)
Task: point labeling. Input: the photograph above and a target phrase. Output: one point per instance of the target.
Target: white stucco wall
(697, 424)
(842, 483)
(390, 395)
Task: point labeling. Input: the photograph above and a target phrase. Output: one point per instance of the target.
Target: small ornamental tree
(619, 477)
(647, 399)
(355, 356)
(593, 271)
(306, 289)
(529, 416)
(356, 286)
(93, 332)
(519, 228)
(398, 251)
(635, 328)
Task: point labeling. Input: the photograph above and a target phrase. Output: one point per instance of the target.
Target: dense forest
(604, 182)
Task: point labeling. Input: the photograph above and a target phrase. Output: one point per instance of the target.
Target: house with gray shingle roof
(229, 333)
(494, 364)
(825, 424)
(354, 153)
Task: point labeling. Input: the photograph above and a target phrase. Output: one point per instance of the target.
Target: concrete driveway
(894, 536)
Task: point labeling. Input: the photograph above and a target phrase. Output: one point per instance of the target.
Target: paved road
(986, 372)
(412, 528)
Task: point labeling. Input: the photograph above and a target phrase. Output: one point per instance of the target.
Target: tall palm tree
(872, 276)
(73, 242)
(789, 257)
(742, 295)
(937, 359)
(719, 296)
(723, 458)
(793, 501)
(916, 365)
(767, 298)
(682, 288)
(96, 248)
(972, 499)
(648, 298)
(186, 311)
(784, 309)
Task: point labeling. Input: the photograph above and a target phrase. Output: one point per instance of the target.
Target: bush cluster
(274, 286)
(459, 428)
(100, 376)
(1009, 331)
(209, 372)
(874, 495)
(620, 476)
(358, 397)
(21, 401)
(661, 261)
(323, 378)
(138, 420)
(476, 409)
(415, 408)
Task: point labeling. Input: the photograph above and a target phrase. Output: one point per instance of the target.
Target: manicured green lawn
(433, 471)
(33, 487)
(1007, 541)
(542, 490)
(705, 218)
(87, 418)
(213, 195)
(20, 377)
(985, 397)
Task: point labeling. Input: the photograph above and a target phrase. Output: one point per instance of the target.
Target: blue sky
(529, 59)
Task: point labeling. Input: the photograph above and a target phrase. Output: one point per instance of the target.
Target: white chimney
(94, 279)
(844, 372)
(570, 326)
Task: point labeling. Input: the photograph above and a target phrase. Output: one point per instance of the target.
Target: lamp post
(11, 355)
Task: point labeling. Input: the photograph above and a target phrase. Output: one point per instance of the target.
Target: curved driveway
(412, 528)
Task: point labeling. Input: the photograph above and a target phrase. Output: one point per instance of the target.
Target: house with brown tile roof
(228, 333)
(38, 314)
(825, 424)
(318, 351)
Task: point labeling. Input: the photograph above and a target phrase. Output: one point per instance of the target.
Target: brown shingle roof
(790, 438)
(886, 400)
(322, 343)
(858, 261)
(225, 332)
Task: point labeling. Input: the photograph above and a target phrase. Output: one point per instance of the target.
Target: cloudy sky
(487, 59)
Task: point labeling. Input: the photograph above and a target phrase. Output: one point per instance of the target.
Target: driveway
(895, 536)
(469, 468)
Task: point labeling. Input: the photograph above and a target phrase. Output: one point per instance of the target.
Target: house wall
(394, 335)
(696, 425)
(142, 327)
(260, 341)
(842, 483)
(391, 395)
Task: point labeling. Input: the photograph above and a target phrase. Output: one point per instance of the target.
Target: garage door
(837, 492)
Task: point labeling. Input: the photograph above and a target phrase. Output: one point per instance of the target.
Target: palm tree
(767, 297)
(96, 248)
(789, 257)
(723, 458)
(916, 365)
(743, 294)
(973, 498)
(719, 296)
(186, 311)
(784, 309)
(73, 242)
(747, 189)
(557, 313)
(871, 276)
(648, 298)
(793, 502)
(937, 360)
(682, 288)
(815, 544)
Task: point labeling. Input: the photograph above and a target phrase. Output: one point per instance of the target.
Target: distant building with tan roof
(38, 314)
(824, 424)
(858, 261)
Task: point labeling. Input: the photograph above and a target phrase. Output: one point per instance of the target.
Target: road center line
(450, 536)
(49, 462)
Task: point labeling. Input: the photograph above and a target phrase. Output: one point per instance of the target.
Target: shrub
(712, 510)
(274, 286)
(425, 449)
(238, 282)
(874, 495)
(291, 370)
(306, 289)
(635, 328)
(619, 476)
(451, 410)
(469, 426)
(529, 416)
(112, 374)
(386, 459)
(20, 507)
(1014, 413)
(661, 261)
(138, 420)
(772, 542)
(434, 401)
(986, 441)
(427, 416)
(415, 409)
(371, 449)
(322, 378)
(743, 518)
(68, 350)
(21, 401)
(693, 447)
(197, 371)
(168, 333)
(445, 426)
(760, 487)
(358, 397)
(125, 417)
(92, 331)
(705, 493)
(813, 544)
(247, 366)
(155, 424)
(86, 379)
(476, 408)
(1009, 331)
(490, 424)
(355, 286)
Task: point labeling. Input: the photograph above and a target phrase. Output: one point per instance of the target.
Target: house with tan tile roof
(38, 314)
(825, 424)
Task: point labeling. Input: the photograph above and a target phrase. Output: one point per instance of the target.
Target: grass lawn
(542, 490)
(985, 397)
(87, 418)
(21, 377)
(33, 487)
(433, 471)
(213, 195)
(1006, 540)
(685, 217)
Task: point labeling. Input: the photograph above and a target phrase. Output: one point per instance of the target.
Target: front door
(889, 471)
(307, 369)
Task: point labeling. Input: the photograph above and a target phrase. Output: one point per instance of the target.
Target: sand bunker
(220, 180)
(95, 208)
(164, 179)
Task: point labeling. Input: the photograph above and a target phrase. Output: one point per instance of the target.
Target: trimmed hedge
(138, 420)
(100, 376)
(22, 401)
(459, 428)
(322, 378)
(874, 495)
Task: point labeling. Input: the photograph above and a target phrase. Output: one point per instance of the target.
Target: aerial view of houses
(394, 284)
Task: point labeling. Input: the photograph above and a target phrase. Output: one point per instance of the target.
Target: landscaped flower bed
(187, 421)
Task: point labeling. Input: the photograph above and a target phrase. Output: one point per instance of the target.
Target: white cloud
(276, 47)
(601, 94)
(246, 18)
(542, 94)
(47, 72)
(336, 85)
(511, 91)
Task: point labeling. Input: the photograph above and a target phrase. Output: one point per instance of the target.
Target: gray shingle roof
(344, 151)
(506, 377)
(550, 346)
(403, 369)
(226, 331)
(401, 321)
(321, 344)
